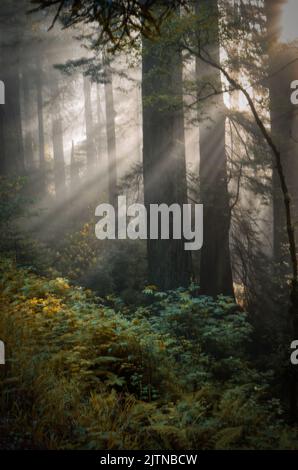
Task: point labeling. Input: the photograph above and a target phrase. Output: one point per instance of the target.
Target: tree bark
(11, 114)
(91, 157)
(215, 267)
(283, 69)
(11, 36)
(27, 125)
(111, 136)
(99, 124)
(57, 136)
(169, 265)
(2, 143)
(41, 140)
(74, 171)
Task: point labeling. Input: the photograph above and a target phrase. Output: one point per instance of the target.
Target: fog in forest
(166, 103)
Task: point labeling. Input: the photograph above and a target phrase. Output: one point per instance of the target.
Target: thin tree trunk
(2, 143)
(111, 136)
(99, 124)
(74, 171)
(41, 141)
(27, 126)
(89, 125)
(138, 125)
(57, 136)
(2, 125)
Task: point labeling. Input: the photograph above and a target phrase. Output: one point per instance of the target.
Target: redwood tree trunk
(215, 267)
(164, 157)
(111, 137)
(41, 140)
(283, 69)
(27, 124)
(11, 114)
(57, 136)
(89, 125)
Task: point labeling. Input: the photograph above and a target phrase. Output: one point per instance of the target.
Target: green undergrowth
(89, 373)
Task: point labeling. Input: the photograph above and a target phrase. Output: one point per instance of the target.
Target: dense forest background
(128, 344)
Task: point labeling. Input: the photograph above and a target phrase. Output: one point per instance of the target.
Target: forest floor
(174, 373)
(11, 441)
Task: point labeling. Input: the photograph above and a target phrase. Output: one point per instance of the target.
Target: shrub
(82, 375)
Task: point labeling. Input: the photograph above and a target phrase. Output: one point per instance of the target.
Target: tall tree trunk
(74, 171)
(41, 140)
(164, 166)
(139, 152)
(2, 142)
(99, 123)
(89, 125)
(57, 136)
(11, 113)
(215, 267)
(2, 125)
(111, 136)
(27, 125)
(11, 35)
(283, 69)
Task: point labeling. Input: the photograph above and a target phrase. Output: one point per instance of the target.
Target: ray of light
(289, 21)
